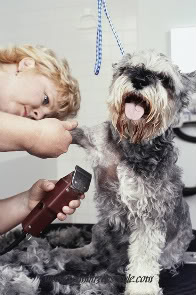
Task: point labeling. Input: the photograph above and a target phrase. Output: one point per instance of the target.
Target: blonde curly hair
(57, 70)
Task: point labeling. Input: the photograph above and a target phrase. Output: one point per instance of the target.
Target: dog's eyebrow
(166, 80)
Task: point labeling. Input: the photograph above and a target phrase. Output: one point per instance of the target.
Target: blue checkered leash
(99, 35)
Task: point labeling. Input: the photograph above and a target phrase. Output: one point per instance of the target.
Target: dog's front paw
(142, 289)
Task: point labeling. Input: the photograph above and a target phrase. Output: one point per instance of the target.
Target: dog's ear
(189, 81)
(123, 62)
(114, 65)
(119, 67)
(192, 76)
(189, 87)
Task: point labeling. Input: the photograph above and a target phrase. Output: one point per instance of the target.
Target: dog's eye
(166, 81)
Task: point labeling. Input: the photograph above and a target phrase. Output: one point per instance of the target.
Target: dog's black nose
(140, 82)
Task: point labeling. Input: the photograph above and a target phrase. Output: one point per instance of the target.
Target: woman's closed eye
(46, 99)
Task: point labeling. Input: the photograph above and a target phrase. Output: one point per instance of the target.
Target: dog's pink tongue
(133, 111)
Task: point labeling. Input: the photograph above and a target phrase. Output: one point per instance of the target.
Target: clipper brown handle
(47, 209)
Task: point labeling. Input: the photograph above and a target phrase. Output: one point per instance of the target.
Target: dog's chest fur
(132, 180)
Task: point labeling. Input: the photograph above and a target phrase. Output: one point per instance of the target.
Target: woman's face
(26, 93)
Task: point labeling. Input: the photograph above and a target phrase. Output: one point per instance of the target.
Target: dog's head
(147, 95)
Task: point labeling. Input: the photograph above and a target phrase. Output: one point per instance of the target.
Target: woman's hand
(40, 189)
(51, 138)
(46, 138)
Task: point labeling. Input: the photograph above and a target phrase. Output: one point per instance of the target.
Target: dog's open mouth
(136, 107)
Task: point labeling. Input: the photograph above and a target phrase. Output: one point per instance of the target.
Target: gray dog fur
(138, 184)
(144, 224)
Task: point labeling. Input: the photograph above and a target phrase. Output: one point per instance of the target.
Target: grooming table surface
(185, 282)
(182, 284)
(78, 235)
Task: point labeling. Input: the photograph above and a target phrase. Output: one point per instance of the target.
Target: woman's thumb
(69, 125)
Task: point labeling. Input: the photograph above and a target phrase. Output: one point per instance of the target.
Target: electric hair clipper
(68, 188)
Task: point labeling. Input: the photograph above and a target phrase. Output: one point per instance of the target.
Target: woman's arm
(16, 132)
(46, 138)
(12, 211)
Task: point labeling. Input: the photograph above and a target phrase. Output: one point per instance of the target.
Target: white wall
(156, 18)
(62, 25)
(18, 171)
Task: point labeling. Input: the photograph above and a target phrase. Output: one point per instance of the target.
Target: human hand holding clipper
(68, 188)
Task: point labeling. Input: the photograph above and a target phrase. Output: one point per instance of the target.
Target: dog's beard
(138, 130)
(157, 110)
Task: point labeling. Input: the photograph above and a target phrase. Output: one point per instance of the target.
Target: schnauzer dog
(144, 223)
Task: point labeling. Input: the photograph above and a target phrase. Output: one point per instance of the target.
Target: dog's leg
(81, 137)
(142, 276)
(147, 238)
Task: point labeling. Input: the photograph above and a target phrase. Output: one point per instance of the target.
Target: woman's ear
(26, 63)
